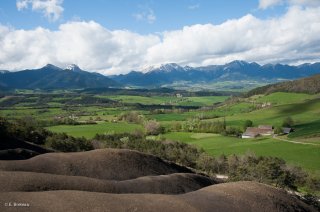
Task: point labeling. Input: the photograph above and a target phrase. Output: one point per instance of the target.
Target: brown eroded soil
(125, 180)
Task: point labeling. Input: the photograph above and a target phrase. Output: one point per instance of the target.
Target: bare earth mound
(125, 180)
(240, 196)
(163, 184)
(107, 164)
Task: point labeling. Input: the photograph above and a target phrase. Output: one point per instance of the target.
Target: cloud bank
(51, 9)
(292, 38)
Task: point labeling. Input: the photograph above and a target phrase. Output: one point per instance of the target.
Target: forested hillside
(309, 85)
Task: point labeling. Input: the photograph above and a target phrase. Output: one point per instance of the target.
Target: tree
(64, 143)
(153, 127)
(221, 165)
(288, 122)
(233, 163)
(206, 163)
(232, 131)
(131, 117)
(191, 125)
(278, 130)
(313, 183)
(247, 123)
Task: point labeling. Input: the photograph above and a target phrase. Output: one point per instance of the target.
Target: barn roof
(254, 131)
(266, 127)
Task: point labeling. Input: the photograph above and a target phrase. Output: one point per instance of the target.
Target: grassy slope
(304, 109)
(280, 98)
(307, 130)
(306, 156)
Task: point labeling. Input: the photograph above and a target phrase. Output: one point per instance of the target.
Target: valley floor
(302, 147)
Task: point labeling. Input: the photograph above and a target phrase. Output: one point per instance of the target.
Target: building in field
(286, 130)
(261, 130)
(251, 132)
(265, 129)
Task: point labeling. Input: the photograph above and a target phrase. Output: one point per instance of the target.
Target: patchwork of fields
(105, 110)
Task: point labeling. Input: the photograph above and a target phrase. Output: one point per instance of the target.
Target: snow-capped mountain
(235, 70)
(51, 76)
(163, 68)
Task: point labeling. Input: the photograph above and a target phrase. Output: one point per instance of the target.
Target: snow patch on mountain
(72, 67)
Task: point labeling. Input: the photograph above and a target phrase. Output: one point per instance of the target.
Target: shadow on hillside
(306, 129)
(299, 108)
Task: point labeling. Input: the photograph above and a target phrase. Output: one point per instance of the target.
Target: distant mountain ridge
(236, 70)
(53, 77)
(72, 77)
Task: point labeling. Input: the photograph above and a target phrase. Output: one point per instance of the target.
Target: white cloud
(51, 9)
(285, 39)
(264, 4)
(292, 38)
(87, 44)
(147, 15)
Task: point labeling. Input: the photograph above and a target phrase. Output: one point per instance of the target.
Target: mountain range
(72, 77)
(233, 71)
(53, 77)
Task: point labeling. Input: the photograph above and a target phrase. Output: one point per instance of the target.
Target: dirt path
(295, 142)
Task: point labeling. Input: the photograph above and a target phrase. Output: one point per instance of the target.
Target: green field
(202, 100)
(141, 99)
(308, 130)
(280, 98)
(89, 131)
(170, 100)
(306, 156)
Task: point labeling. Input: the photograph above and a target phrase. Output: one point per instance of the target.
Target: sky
(117, 36)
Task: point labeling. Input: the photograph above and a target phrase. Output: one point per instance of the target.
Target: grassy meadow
(306, 156)
(90, 130)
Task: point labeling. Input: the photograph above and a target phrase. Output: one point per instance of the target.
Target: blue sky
(123, 14)
(117, 36)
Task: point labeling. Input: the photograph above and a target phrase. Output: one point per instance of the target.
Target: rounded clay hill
(125, 180)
